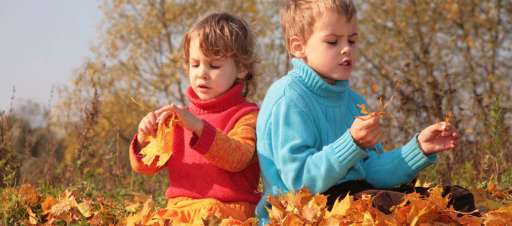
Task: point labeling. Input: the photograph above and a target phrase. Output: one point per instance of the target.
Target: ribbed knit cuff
(346, 150)
(202, 143)
(415, 157)
(134, 147)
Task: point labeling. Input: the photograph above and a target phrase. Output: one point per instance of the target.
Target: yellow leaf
(367, 219)
(292, 220)
(340, 208)
(32, 219)
(448, 118)
(161, 145)
(85, 209)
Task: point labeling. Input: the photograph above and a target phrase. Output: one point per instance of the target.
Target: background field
(432, 57)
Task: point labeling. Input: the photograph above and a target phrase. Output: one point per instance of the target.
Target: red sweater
(193, 171)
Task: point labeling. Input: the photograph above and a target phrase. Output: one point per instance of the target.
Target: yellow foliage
(160, 145)
(296, 209)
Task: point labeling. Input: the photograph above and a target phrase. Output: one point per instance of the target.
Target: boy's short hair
(298, 16)
(223, 35)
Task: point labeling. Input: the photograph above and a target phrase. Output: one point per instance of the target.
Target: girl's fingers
(152, 117)
(171, 107)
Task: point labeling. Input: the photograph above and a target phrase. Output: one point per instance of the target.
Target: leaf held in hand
(160, 145)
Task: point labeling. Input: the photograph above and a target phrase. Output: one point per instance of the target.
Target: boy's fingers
(365, 121)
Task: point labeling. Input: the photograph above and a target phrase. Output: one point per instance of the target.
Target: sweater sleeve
(293, 137)
(404, 163)
(386, 169)
(233, 151)
(136, 160)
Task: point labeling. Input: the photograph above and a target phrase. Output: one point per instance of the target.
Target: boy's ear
(297, 47)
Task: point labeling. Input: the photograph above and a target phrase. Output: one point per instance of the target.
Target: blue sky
(41, 43)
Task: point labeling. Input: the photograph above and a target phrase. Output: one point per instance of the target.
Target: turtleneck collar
(228, 99)
(315, 83)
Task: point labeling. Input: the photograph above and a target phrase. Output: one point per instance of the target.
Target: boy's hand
(366, 130)
(438, 137)
(186, 119)
(147, 127)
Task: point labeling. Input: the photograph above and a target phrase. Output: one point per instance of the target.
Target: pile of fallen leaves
(303, 208)
(67, 208)
(151, 216)
(25, 206)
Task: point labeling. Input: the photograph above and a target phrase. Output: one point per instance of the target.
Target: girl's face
(211, 77)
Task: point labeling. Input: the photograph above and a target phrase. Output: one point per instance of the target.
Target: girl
(213, 169)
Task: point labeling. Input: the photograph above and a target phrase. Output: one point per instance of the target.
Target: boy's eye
(352, 42)
(194, 65)
(332, 42)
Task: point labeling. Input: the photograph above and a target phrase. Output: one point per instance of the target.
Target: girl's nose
(202, 73)
(344, 51)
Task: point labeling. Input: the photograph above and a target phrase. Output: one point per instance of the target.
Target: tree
(449, 56)
(137, 67)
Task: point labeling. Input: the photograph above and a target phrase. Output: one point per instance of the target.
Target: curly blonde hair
(224, 35)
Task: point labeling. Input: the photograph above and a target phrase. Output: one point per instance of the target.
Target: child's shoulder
(284, 89)
(357, 97)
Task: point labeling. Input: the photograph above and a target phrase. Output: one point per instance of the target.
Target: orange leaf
(363, 109)
(448, 118)
(29, 194)
(161, 145)
(47, 204)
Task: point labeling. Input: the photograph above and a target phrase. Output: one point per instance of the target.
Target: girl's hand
(438, 137)
(186, 119)
(147, 127)
(366, 131)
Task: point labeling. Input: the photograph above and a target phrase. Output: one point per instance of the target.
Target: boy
(310, 130)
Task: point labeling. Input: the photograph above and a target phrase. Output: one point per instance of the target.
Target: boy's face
(331, 48)
(209, 77)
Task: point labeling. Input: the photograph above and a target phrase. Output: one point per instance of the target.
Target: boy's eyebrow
(350, 36)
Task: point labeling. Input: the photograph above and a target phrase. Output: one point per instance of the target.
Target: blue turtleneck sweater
(303, 140)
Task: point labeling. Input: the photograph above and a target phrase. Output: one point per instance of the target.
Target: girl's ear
(297, 47)
(242, 72)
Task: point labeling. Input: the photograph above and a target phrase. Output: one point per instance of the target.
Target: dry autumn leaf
(47, 204)
(32, 219)
(415, 209)
(448, 118)
(160, 145)
(29, 194)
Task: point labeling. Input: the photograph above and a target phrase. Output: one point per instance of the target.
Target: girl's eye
(332, 42)
(352, 42)
(194, 65)
(214, 66)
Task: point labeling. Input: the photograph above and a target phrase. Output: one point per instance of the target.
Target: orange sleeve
(136, 160)
(236, 150)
